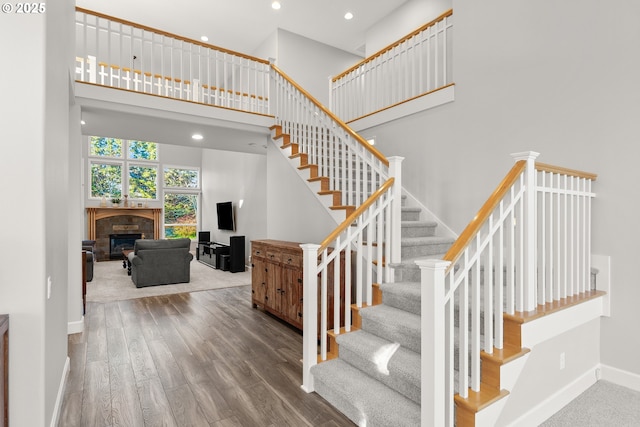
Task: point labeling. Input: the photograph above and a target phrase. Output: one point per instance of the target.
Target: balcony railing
(416, 65)
(125, 55)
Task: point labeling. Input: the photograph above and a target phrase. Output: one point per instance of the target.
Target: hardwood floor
(195, 359)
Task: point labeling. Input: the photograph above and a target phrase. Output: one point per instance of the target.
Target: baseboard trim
(541, 412)
(618, 376)
(75, 327)
(63, 384)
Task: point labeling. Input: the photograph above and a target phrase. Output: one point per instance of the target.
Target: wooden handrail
(483, 214)
(543, 167)
(394, 44)
(401, 102)
(342, 124)
(355, 215)
(164, 33)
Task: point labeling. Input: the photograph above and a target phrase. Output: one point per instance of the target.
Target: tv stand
(210, 253)
(222, 256)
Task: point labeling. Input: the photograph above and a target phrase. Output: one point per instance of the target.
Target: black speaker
(204, 236)
(236, 262)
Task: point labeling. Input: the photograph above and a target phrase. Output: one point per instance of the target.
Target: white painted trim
(618, 376)
(603, 279)
(545, 409)
(63, 384)
(75, 327)
(554, 324)
(426, 102)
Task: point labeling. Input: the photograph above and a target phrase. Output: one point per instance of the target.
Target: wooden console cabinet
(276, 281)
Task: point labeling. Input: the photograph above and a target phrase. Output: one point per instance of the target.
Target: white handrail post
(530, 216)
(310, 310)
(195, 90)
(92, 69)
(432, 273)
(395, 171)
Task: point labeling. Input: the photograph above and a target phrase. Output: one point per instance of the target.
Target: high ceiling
(242, 25)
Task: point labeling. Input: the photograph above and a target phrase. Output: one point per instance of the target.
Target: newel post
(433, 399)
(395, 171)
(310, 310)
(530, 219)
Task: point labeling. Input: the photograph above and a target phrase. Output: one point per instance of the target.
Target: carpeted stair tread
(392, 324)
(388, 362)
(427, 240)
(418, 228)
(402, 295)
(364, 400)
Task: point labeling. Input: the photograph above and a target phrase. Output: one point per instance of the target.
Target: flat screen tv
(225, 216)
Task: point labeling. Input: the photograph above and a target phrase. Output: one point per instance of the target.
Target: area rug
(111, 283)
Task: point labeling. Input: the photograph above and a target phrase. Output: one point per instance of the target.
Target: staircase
(375, 380)
(390, 365)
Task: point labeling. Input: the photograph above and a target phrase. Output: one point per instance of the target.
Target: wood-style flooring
(194, 359)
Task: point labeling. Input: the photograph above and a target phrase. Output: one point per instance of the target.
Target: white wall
(310, 63)
(408, 17)
(235, 177)
(582, 355)
(540, 76)
(35, 179)
(294, 212)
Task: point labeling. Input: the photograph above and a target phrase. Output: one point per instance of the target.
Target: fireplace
(103, 222)
(118, 242)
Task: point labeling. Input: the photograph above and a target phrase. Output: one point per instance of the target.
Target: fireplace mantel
(95, 214)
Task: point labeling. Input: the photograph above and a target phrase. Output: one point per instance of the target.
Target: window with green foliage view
(113, 174)
(181, 202)
(180, 215)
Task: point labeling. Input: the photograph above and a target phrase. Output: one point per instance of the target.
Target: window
(181, 194)
(106, 179)
(181, 178)
(142, 182)
(180, 215)
(113, 175)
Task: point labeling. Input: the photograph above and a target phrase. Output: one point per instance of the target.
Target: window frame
(197, 191)
(125, 162)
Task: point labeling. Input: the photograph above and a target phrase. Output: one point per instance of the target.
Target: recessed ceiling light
(348, 16)
(276, 5)
(82, 122)
(197, 136)
(204, 38)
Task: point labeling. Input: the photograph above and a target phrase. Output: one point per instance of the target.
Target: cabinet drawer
(274, 256)
(258, 251)
(292, 260)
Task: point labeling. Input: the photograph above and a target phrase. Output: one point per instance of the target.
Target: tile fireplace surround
(102, 222)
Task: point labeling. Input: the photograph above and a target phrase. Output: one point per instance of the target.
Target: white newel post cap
(525, 155)
(433, 264)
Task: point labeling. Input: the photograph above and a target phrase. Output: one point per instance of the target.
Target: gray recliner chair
(160, 262)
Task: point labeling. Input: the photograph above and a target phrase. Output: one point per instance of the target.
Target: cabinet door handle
(300, 281)
(299, 314)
